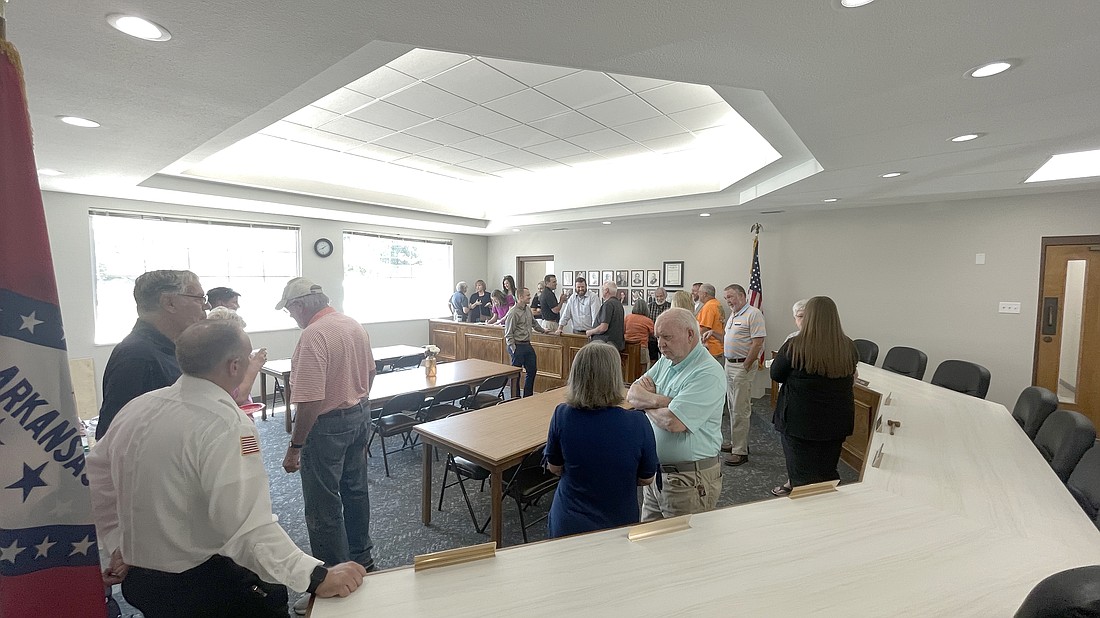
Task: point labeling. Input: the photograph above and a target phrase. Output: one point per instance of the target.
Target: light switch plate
(1008, 307)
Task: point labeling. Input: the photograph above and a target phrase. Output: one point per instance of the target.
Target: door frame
(1050, 241)
(523, 259)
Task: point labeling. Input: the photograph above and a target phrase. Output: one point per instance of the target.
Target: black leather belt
(734, 360)
(340, 412)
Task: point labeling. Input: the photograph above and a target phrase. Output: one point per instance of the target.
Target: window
(387, 278)
(255, 260)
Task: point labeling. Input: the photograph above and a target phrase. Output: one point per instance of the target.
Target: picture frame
(622, 278)
(673, 274)
(651, 293)
(605, 275)
(593, 279)
(653, 278)
(637, 278)
(636, 294)
(566, 278)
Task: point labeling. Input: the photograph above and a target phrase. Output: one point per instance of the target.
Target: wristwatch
(316, 578)
(293, 445)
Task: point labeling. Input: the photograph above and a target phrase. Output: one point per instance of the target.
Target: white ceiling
(843, 95)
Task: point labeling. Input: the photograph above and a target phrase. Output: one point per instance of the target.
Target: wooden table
(388, 385)
(495, 438)
(961, 518)
(280, 369)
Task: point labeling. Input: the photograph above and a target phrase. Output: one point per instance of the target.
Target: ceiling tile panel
(462, 173)
(567, 125)
(487, 166)
(599, 140)
(420, 163)
(381, 82)
(378, 153)
(390, 116)
(650, 128)
(355, 129)
(678, 97)
(672, 143)
(581, 159)
(331, 141)
(406, 143)
(477, 82)
(583, 88)
(638, 84)
(624, 151)
(620, 111)
(557, 149)
(527, 106)
(311, 116)
(427, 63)
(440, 132)
(522, 136)
(343, 101)
(429, 100)
(546, 166)
(704, 117)
(447, 154)
(285, 130)
(480, 120)
(482, 145)
(519, 158)
(530, 74)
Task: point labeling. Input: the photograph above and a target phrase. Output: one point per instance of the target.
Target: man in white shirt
(581, 309)
(180, 497)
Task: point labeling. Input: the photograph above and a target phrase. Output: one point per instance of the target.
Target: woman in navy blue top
(601, 451)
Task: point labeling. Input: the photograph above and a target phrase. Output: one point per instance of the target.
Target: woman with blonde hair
(499, 308)
(601, 451)
(814, 411)
(683, 300)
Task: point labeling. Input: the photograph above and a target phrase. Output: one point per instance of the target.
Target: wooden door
(1067, 335)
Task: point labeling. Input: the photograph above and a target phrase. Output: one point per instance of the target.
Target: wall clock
(323, 247)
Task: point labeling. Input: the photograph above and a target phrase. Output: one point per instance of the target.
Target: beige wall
(70, 241)
(901, 275)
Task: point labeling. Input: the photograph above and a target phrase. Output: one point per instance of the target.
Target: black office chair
(1032, 408)
(906, 361)
(1084, 484)
(963, 377)
(1073, 592)
(868, 351)
(1063, 440)
(407, 362)
(488, 393)
(445, 403)
(396, 418)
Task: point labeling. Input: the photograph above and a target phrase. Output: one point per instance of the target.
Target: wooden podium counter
(460, 341)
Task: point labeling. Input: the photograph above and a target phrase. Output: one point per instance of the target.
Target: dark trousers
(215, 588)
(524, 356)
(811, 461)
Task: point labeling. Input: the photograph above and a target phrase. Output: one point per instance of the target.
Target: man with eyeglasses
(168, 301)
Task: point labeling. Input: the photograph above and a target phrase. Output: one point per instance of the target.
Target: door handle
(1050, 316)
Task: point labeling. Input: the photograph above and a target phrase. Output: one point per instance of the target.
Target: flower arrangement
(431, 350)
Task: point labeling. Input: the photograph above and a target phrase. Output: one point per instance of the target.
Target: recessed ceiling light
(852, 4)
(138, 27)
(77, 121)
(770, 212)
(606, 222)
(49, 171)
(988, 70)
(704, 214)
(966, 137)
(1068, 165)
(892, 174)
(515, 229)
(830, 200)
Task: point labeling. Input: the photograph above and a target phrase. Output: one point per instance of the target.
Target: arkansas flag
(49, 563)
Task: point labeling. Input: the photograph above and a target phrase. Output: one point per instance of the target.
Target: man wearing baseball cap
(331, 373)
(223, 297)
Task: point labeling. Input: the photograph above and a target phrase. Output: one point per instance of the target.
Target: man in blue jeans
(518, 324)
(331, 373)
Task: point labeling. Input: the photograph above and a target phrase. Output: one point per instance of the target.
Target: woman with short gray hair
(601, 451)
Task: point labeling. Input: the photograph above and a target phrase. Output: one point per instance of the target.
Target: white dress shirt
(179, 478)
(580, 311)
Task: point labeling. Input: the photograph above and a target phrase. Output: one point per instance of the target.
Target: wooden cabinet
(555, 353)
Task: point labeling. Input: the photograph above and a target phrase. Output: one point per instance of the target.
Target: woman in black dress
(814, 413)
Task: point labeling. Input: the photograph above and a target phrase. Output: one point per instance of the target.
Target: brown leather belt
(690, 466)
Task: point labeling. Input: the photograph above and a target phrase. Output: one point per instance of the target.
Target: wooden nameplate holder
(659, 527)
(813, 489)
(454, 556)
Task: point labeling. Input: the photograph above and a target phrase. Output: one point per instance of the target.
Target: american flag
(756, 289)
(249, 445)
(49, 561)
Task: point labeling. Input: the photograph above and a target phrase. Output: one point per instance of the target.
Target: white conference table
(962, 517)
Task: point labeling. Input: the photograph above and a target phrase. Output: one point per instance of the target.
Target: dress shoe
(727, 447)
(734, 460)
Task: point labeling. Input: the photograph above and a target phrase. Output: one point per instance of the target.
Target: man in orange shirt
(711, 329)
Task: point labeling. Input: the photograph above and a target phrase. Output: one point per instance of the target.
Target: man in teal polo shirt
(682, 394)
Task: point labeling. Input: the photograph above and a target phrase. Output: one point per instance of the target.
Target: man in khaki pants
(682, 394)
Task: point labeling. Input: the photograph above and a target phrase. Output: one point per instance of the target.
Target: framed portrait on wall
(593, 279)
(622, 278)
(652, 278)
(636, 294)
(566, 278)
(637, 278)
(674, 274)
(605, 275)
(650, 294)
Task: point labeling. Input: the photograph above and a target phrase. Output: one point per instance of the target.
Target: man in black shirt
(611, 319)
(550, 304)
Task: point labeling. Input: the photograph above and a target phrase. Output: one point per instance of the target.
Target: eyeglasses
(198, 296)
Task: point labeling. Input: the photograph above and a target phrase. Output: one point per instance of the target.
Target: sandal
(781, 490)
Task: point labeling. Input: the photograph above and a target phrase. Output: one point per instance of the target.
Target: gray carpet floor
(395, 524)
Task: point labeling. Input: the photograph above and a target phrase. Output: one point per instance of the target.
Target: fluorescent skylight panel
(1084, 164)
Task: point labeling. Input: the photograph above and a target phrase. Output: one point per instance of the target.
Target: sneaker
(734, 460)
(302, 604)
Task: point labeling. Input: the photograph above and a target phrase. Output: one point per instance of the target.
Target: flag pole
(3, 29)
(756, 228)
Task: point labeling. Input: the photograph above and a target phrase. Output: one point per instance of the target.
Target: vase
(429, 367)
